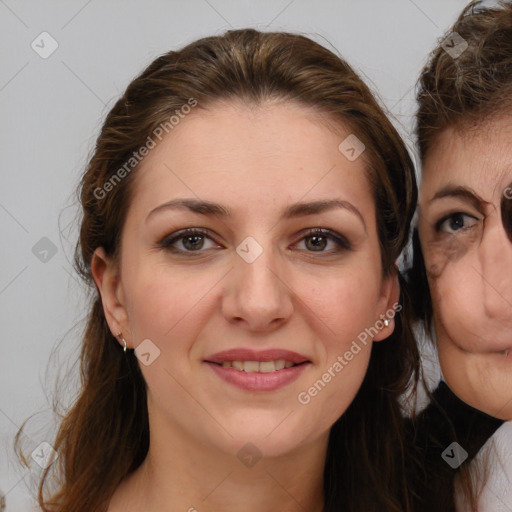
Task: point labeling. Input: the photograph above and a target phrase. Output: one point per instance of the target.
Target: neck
(182, 474)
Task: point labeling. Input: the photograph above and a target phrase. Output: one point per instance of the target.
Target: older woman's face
(465, 228)
(248, 290)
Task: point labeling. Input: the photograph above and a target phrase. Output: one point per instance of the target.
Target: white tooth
(226, 364)
(251, 366)
(267, 366)
(280, 364)
(288, 364)
(238, 365)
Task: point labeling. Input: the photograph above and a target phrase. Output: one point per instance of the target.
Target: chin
(280, 439)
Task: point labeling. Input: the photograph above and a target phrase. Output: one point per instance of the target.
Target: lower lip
(257, 381)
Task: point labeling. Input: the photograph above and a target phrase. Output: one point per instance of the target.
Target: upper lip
(245, 354)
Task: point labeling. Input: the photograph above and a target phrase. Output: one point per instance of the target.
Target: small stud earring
(386, 322)
(123, 340)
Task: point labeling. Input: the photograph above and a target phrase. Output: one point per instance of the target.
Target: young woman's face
(248, 286)
(465, 228)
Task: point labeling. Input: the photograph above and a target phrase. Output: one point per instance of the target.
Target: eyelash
(167, 242)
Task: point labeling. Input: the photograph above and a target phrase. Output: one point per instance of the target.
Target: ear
(387, 306)
(106, 276)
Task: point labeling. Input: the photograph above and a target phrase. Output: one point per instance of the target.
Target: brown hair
(462, 92)
(474, 86)
(105, 435)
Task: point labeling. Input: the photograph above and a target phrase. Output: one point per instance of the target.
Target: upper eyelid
(447, 214)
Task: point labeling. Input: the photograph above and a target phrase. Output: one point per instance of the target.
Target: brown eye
(317, 240)
(193, 242)
(188, 240)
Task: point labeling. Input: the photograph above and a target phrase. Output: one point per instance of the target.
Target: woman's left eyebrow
(315, 207)
(461, 192)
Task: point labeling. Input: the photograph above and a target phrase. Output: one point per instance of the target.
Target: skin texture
(256, 161)
(468, 259)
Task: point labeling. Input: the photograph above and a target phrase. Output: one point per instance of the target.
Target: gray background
(51, 110)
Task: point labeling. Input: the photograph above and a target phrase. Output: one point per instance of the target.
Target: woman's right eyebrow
(461, 192)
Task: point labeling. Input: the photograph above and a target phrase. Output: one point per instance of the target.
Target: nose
(496, 263)
(258, 295)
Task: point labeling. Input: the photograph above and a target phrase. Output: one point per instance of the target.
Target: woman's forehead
(480, 158)
(279, 153)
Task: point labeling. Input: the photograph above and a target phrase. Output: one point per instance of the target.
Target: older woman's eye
(455, 222)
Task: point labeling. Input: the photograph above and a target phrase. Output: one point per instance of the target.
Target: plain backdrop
(51, 108)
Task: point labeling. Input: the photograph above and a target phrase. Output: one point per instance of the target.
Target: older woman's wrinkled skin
(465, 233)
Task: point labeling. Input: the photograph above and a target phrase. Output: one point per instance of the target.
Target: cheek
(450, 266)
(340, 381)
(443, 253)
(453, 296)
(345, 303)
(345, 312)
(160, 299)
(457, 303)
(340, 313)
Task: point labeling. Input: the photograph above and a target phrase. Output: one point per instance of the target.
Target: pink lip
(243, 354)
(258, 381)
